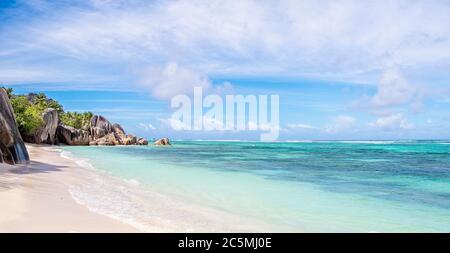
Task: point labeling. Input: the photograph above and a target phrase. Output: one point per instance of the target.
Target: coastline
(59, 192)
(36, 198)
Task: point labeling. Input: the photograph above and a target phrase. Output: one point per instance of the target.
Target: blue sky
(347, 70)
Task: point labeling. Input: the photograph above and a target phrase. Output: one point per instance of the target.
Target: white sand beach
(36, 198)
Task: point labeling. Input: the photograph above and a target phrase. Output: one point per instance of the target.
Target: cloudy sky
(343, 69)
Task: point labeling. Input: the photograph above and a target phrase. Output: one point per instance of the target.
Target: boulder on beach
(162, 142)
(100, 126)
(47, 133)
(72, 136)
(12, 148)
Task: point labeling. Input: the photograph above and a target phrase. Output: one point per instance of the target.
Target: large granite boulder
(97, 132)
(107, 140)
(162, 142)
(100, 127)
(47, 133)
(122, 138)
(118, 129)
(101, 132)
(72, 136)
(12, 148)
(128, 139)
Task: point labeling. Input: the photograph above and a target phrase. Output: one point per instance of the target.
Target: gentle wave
(128, 201)
(104, 194)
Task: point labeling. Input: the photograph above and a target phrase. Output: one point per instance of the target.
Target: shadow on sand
(35, 167)
(8, 173)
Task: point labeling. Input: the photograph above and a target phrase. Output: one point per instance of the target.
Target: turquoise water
(304, 187)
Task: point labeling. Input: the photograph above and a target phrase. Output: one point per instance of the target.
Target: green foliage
(28, 115)
(76, 120)
(29, 109)
(43, 102)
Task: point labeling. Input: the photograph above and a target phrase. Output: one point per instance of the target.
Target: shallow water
(306, 187)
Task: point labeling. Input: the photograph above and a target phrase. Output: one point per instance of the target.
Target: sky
(344, 70)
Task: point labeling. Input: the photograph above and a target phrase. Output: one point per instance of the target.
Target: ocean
(317, 186)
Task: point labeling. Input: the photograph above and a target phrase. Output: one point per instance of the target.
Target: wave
(129, 201)
(104, 194)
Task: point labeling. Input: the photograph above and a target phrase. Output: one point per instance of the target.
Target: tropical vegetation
(29, 109)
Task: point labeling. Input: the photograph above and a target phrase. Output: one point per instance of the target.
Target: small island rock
(162, 142)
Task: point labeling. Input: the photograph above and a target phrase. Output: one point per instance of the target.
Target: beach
(36, 197)
(58, 192)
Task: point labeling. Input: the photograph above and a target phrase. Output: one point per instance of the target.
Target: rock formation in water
(162, 142)
(142, 141)
(12, 148)
(122, 138)
(72, 136)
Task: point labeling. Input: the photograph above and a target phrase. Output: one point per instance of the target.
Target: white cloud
(212, 123)
(147, 127)
(301, 126)
(172, 79)
(393, 89)
(350, 40)
(340, 123)
(175, 124)
(392, 122)
(208, 124)
(269, 127)
(263, 126)
(164, 83)
(252, 125)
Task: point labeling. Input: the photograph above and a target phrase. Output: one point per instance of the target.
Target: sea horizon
(312, 140)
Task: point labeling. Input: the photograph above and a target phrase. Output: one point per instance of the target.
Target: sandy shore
(59, 193)
(35, 197)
